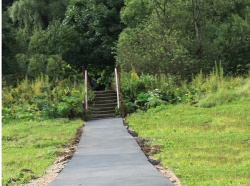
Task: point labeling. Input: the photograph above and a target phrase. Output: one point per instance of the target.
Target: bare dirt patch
(60, 163)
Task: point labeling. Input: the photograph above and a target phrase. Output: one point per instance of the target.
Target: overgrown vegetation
(204, 139)
(29, 133)
(41, 99)
(29, 147)
(148, 91)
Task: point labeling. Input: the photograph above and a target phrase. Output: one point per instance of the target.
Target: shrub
(230, 89)
(151, 99)
(42, 99)
(147, 91)
(37, 64)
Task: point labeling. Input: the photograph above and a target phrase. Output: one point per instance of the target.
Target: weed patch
(42, 99)
(149, 91)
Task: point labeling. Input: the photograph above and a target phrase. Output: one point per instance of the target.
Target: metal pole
(117, 89)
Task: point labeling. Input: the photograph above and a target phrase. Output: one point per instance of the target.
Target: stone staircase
(103, 105)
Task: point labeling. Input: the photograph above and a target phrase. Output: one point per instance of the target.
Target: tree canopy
(153, 36)
(183, 37)
(81, 32)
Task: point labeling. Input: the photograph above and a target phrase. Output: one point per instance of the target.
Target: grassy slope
(203, 146)
(29, 148)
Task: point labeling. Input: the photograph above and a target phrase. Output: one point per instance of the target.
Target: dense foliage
(182, 37)
(166, 42)
(81, 32)
(42, 99)
(154, 36)
(148, 91)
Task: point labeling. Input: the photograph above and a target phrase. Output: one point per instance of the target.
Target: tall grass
(215, 89)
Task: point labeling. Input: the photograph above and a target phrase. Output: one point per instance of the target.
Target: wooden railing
(86, 89)
(85, 104)
(118, 89)
(117, 83)
(87, 81)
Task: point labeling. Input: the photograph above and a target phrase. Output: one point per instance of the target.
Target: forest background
(153, 36)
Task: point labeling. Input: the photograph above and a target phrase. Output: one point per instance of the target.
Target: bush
(151, 99)
(147, 91)
(42, 99)
(229, 90)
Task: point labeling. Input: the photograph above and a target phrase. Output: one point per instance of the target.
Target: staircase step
(103, 101)
(105, 97)
(103, 108)
(102, 112)
(107, 109)
(105, 92)
(99, 93)
(103, 105)
(93, 116)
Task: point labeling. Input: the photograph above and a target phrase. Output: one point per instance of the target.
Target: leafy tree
(153, 45)
(182, 37)
(85, 34)
(37, 65)
(136, 12)
(98, 26)
(29, 17)
(58, 38)
(9, 43)
(23, 63)
(53, 68)
(36, 14)
(6, 4)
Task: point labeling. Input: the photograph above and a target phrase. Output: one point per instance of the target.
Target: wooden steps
(103, 105)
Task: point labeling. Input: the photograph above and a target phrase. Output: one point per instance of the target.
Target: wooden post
(117, 88)
(83, 72)
(84, 101)
(86, 89)
(121, 107)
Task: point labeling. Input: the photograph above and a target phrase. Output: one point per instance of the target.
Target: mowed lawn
(202, 146)
(29, 148)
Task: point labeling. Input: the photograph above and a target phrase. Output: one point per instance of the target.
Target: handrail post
(117, 88)
(86, 90)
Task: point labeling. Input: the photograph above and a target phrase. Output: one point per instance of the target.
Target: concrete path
(108, 155)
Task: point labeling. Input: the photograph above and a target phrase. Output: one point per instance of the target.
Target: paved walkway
(108, 155)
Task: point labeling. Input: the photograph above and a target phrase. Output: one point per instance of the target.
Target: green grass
(202, 146)
(29, 148)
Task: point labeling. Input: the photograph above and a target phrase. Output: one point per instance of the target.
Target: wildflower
(134, 75)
